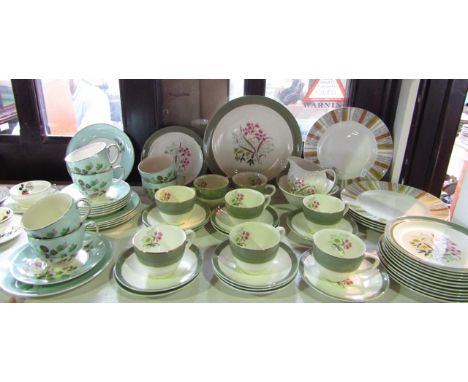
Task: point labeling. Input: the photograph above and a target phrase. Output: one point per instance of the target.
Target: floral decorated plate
(251, 133)
(357, 288)
(282, 272)
(184, 145)
(12, 230)
(381, 202)
(305, 229)
(132, 275)
(433, 242)
(102, 132)
(198, 218)
(352, 141)
(16, 288)
(30, 269)
(223, 222)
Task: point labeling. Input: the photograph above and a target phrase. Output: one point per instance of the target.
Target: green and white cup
(158, 170)
(60, 250)
(54, 216)
(324, 209)
(339, 254)
(244, 203)
(97, 184)
(161, 247)
(255, 245)
(255, 181)
(175, 203)
(211, 186)
(93, 158)
(150, 188)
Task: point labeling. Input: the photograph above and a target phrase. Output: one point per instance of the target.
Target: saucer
(28, 268)
(223, 222)
(305, 229)
(135, 277)
(283, 270)
(16, 208)
(12, 230)
(197, 219)
(16, 288)
(357, 288)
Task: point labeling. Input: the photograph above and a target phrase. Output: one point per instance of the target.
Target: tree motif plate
(184, 145)
(352, 141)
(251, 133)
(102, 132)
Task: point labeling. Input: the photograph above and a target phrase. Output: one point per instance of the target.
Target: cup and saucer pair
(10, 225)
(339, 268)
(254, 259)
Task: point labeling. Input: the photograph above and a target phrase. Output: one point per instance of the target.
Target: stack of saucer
(117, 206)
(374, 203)
(429, 256)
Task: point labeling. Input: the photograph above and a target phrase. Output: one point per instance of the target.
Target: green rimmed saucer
(223, 222)
(197, 219)
(305, 229)
(28, 268)
(135, 277)
(356, 288)
(283, 270)
(16, 288)
(102, 132)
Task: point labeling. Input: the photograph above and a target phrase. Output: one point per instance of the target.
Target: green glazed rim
(122, 282)
(249, 100)
(286, 280)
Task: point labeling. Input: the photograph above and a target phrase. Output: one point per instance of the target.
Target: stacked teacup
(157, 172)
(211, 189)
(92, 168)
(54, 227)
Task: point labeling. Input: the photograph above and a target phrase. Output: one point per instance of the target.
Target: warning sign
(326, 91)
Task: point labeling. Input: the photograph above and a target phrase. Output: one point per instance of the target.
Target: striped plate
(381, 202)
(353, 141)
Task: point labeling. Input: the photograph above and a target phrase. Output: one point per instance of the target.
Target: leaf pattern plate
(251, 133)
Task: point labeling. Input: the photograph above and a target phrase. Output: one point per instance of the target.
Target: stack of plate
(373, 203)
(24, 274)
(429, 256)
(117, 206)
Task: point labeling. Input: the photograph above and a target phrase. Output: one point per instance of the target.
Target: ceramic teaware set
(92, 169)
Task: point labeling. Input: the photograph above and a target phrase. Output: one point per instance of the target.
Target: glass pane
(8, 117)
(71, 104)
(308, 99)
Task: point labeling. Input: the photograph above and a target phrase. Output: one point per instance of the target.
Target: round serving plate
(251, 133)
(183, 144)
(381, 202)
(352, 141)
(102, 132)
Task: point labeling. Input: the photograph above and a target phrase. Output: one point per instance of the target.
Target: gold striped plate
(381, 202)
(353, 141)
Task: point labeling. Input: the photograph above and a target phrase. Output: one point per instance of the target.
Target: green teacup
(97, 184)
(211, 186)
(254, 181)
(158, 170)
(323, 209)
(175, 203)
(255, 245)
(340, 253)
(244, 203)
(161, 247)
(92, 158)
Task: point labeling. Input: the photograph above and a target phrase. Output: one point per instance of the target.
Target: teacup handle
(96, 227)
(331, 174)
(190, 237)
(375, 262)
(270, 189)
(346, 209)
(281, 231)
(87, 205)
(267, 201)
(116, 146)
(121, 176)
